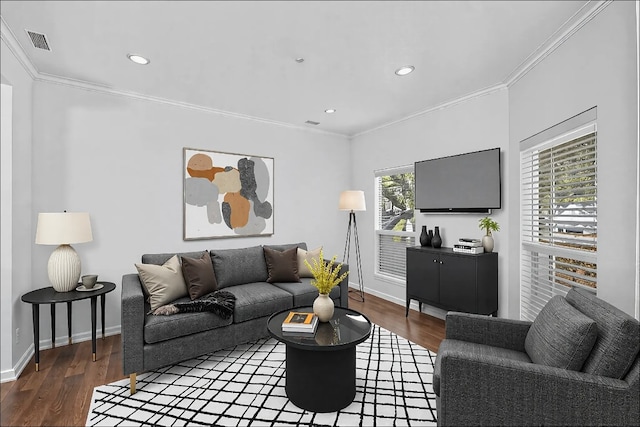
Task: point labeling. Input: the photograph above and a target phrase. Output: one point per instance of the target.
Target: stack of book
(469, 246)
(300, 323)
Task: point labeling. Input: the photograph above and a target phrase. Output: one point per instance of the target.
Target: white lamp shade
(63, 228)
(352, 200)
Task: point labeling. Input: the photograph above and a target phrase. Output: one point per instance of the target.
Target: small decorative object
(430, 238)
(325, 277)
(323, 307)
(489, 225)
(89, 280)
(424, 237)
(436, 241)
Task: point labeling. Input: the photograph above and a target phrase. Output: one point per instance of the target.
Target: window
(394, 220)
(559, 212)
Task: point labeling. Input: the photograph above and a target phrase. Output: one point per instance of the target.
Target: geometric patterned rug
(245, 386)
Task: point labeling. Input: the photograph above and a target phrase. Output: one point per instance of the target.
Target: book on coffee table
(300, 322)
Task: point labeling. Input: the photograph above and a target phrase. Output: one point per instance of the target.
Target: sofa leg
(132, 379)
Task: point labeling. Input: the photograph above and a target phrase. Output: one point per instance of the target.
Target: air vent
(311, 122)
(38, 40)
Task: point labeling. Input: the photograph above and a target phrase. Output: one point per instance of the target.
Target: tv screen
(467, 182)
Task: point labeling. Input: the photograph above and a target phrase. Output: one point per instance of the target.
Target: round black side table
(321, 368)
(52, 297)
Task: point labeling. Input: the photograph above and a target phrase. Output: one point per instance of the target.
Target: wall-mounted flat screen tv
(464, 183)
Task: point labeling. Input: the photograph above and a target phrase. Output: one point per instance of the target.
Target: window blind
(392, 253)
(558, 217)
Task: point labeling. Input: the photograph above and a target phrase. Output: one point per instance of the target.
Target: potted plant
(325, 277)
(489, 225)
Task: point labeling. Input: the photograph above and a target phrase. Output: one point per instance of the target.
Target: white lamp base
(64, 268)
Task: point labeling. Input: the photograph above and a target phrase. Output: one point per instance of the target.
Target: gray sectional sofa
(150, 341)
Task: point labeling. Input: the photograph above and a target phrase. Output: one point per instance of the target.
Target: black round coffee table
(321, 368)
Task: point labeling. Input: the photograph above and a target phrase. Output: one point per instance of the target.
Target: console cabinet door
(423, 276)
(458, 280)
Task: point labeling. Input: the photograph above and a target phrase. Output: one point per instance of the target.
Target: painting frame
(226, 195)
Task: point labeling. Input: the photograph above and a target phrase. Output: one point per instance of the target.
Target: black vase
(424, 237)
(436, 241)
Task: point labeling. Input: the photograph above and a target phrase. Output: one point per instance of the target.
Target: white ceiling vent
(311, 122)
(38, 40)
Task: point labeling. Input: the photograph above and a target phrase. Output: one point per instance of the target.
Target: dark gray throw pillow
(282, 266)
(239, 266)
(561, 336)
(199, 275)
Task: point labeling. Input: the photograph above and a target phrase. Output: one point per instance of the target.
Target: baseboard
(14, 374)
(426, 309)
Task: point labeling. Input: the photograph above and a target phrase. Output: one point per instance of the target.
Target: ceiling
(239, 57)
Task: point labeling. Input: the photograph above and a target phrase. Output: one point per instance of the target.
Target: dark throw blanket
(218, 302)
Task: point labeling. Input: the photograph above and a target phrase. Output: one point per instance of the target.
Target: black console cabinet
(452, 280)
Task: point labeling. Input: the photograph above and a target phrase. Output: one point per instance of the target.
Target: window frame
(546, 262)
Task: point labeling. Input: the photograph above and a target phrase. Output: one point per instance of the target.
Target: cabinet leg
(407, 311)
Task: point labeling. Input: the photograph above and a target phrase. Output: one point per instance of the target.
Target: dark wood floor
(60, 393)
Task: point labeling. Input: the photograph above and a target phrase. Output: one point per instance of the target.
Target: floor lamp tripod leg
(358, 259)
(347, 248)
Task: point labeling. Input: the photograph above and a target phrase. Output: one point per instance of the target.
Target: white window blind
(558, 216)
(394, 220)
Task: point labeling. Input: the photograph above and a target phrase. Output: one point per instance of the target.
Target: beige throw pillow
(303, 270)
(164, 283)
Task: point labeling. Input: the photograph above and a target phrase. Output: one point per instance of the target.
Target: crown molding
(80, 84)
(579, 19)
(14, 46)
(586, 13)
(447, 104)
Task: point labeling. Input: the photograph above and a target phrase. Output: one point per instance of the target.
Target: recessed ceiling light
(330, 110)
(138, 59)
(299, 60)
(403, 71)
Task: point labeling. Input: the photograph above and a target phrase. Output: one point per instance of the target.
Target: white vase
(487, 243)
(323, 307)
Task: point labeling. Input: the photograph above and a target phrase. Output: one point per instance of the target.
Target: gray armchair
(576, 364)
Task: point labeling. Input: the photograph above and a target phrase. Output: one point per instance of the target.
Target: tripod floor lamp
(352, 201)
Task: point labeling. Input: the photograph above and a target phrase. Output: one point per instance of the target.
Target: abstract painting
(227, 195)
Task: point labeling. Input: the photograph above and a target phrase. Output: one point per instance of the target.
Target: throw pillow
(303, 270)
(199, 276)
(164, 283)
(561, 336)
(282, 266)
(239, 266)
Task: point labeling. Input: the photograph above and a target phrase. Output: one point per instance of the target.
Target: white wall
(595, 67)
(475, 124)
(16, 265)
(121, 160)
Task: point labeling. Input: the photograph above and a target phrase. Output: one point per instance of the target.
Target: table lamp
(352, 201)
(63, 229)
